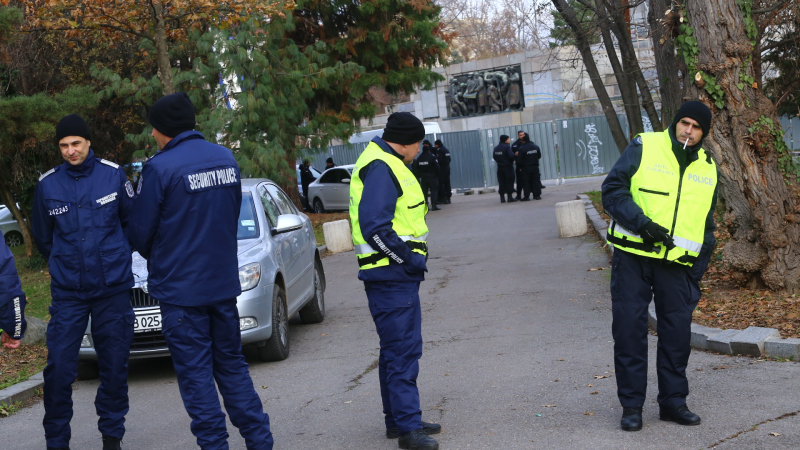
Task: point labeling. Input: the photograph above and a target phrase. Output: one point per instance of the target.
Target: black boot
(503, 198)
(111, 443)
(427, 428)
(680, 415)
(512, 199)
(631, 419)
(417, 440)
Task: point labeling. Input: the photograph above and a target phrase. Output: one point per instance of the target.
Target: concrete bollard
(571, 218)
(337, 236)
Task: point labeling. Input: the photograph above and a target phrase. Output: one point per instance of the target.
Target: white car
(331, 191)
(10, 227)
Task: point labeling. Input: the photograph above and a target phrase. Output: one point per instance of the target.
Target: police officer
(387, 211)
(518, 162)
(185, 222)
(443, 158)
(661, 194)
(426, 168)
(306, 178)
(504, 158)
(329, 164)
(12, 301)
(79, 221)
(530, 154)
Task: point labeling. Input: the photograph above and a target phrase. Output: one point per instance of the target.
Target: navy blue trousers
(397, 314)
(206, 346)
(635, 280)
(112, 333)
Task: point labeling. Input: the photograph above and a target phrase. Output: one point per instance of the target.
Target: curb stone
(752, 341)
(487, 191)
(322, 249)
(22, 391)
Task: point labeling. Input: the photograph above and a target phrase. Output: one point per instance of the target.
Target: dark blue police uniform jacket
(12, 299)
(80, 214)
(191, 262)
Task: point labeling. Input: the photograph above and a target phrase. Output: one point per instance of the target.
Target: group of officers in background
(525, 155)
(432, 169)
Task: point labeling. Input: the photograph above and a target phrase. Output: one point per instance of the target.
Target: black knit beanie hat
(695, 110)
(72, 125)
(173, 114)
(426, 143)
(403, 128)
(329, 160)
(438, 142)
(503, 138)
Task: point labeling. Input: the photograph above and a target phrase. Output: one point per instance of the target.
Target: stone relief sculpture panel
(485, 92)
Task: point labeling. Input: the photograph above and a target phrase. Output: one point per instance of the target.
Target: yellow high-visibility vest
(409, 213)
(678, 203)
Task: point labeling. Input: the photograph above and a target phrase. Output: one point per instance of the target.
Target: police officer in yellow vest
(387, 211)
(661, 195)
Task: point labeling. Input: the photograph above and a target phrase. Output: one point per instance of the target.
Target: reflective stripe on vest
(363, 249)
(410, 209)
(677, 201)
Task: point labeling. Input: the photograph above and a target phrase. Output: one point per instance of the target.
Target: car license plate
(145, 322)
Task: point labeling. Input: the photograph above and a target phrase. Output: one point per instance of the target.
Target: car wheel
(88, 370)
(277, 346)
(314, 311)
(13, 239)
(319, 208)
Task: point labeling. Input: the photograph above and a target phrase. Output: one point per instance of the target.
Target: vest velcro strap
(371, 259)
(687, 259)
(415, 245)
(624, 242)
(424, 237)
(364, 249)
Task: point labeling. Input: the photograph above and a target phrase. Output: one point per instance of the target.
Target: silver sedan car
(10, 227)
(280, 271)
(331, 191)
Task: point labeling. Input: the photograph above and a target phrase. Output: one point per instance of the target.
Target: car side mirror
(346, 180)
(287, 223)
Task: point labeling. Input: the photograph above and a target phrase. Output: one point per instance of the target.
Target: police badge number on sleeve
(210, 179)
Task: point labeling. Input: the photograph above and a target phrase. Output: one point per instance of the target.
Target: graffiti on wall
(590, 151)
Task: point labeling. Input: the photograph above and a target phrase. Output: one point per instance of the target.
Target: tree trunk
(630, 62)
(666, 65)
(8, 198)
(761, 210)
(627, 89)
(582, 42)
(162, 49)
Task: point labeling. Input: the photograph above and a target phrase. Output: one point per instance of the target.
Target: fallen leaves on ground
(587, 413)
(600, 377)
(549, 406)
(775, 434)
(720, 367)
(727, 306)
(599, 268)
(21, 363)
(594, 393)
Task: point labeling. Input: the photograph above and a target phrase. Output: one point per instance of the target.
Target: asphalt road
(517, 355)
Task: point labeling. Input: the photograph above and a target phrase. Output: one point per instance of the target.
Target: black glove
(653, 232)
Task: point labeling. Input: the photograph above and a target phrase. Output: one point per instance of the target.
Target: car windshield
(248, 221)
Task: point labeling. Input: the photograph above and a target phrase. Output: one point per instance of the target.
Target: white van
(366, 136)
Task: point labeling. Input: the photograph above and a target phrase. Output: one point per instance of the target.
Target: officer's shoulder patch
(129, 189)
(637, 140)
(108, 163)
(49, 172)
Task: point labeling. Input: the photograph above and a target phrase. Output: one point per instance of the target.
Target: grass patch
(318, 219)
(597, 200)
(35, 279)
(20, 364)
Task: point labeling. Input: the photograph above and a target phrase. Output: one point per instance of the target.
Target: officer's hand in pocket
(417, 263)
